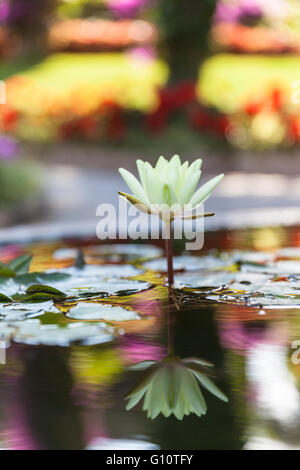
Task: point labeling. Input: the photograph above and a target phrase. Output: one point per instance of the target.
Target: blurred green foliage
(184, 28)
(113, 76)
(228, 81)
(18, 180)
(81, 8)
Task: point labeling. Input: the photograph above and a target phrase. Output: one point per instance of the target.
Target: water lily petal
(134, 185)
(143, 384)
(183, 172)
(172, 386)
(197, 360)
(189, 187)
(141, 365)
(156, 400)
(204, 192)
(141, 170)
(209, 385)
(134, 399)
(173, 179)
(166, 196)
(192, 392)
(180, 409)
(175, 160)
(140, 205)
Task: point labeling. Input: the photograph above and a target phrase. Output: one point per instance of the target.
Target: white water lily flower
(171, 184)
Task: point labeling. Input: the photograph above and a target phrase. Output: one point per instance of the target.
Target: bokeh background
(91, 85)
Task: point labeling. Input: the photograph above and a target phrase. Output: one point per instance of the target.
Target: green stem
(169, 256)
(170, 328)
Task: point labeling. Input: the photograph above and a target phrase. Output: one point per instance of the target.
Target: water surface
(72, 395)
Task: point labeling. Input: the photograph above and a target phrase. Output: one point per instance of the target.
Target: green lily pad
(6, 271)
(21, 264)
(36, 297)
(44, 289)
(4, 299)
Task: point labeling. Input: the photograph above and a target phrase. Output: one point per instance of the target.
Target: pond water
(87, 312)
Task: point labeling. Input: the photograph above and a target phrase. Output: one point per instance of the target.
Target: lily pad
(6, 271)
(187, 263)
(4, 299)
(34, 333)
(40, 288)
(280, 267)
(289, 252)
(76, 286)
(19, 311)
(104, 271)
(21, 264)
(65, 253)
(200, 280)
(93, 311)
(128, 250)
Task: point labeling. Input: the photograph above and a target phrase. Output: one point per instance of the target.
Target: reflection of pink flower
(4, 10)
(10, 252)
(137, 350)
(236, 336)
(142, 54)
(9, 148)
(236, 12)
(126, 8)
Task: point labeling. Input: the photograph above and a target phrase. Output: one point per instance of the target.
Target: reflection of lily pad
(19, 311)
(32, 332)
(93, 311)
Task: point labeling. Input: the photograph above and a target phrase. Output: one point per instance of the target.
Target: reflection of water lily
(170, 387)
(169, 183)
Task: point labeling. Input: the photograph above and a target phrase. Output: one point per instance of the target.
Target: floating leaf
(41, 277)
(36, 297)
(40, 288)
(200, 280)
(187, 263)
(6, 271)
(32, 332)
(103, 271)
(19, 311)
(65, 253)
(76, 286)
(4, 299)
(21, 264)
(93, 311)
